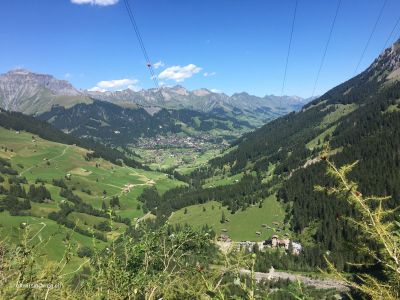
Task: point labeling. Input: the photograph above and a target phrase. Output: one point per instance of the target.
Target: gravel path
(326, 283)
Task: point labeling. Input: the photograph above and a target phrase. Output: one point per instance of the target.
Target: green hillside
(241, 226)
(95, 181)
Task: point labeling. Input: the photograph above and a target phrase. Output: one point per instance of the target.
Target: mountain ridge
(33, 93)
(205, 100)
(116, 125)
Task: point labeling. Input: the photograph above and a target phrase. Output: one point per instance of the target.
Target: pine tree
(223, 218)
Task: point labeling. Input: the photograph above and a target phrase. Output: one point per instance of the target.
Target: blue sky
(226, 45)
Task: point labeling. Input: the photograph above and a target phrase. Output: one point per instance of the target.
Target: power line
(397, 36)
(370, 36)
(288, 52)
(142, 47)
(326, 46)
(391, 33)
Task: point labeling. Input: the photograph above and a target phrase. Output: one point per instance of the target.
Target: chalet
(127, 188)
(275, 242)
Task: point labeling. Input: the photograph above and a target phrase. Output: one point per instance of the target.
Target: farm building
(285, 243)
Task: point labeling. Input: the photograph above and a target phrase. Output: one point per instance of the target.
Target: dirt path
(51, 159)
(149, 183)
(319, 283)
(142, 218)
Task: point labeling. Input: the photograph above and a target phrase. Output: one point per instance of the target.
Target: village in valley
(199, 142)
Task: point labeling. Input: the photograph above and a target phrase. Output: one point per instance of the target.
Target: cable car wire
(326, 47)
(391, 33)
(142, 46)
(370, 36)
(288, 53)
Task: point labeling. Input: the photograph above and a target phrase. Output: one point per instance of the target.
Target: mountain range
(31, 93)
(204, 100)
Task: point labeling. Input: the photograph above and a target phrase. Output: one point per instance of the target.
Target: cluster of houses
(285, 243)
(274, 242)
(173, 140)
(201, 141)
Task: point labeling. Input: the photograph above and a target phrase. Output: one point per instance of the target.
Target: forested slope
(360, 121)
(19, 121)
(114, 125)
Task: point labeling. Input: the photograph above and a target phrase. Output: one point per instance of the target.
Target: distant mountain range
(177, 97)
(31, 93)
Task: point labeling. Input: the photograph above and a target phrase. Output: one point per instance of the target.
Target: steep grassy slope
(242, 226)
(95, 181)
(18, 121)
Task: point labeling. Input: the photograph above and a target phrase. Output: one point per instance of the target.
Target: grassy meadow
(241, 226)
(94, 181)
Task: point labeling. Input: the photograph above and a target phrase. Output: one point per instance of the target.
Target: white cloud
(96, 2)
(178, 73)
(209, 74)
(158, 64)
(97, 89)
(216, 91)
(115, 85)
(67, 75)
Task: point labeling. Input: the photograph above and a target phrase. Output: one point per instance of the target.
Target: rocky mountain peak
(19, 72)
(26, 91)
(25, 77)
(202, 92)
(387, 65)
